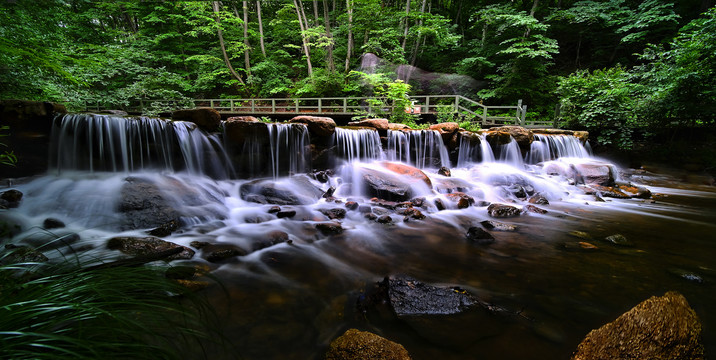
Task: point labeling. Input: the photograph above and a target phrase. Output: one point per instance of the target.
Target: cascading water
(357, 144)
(289, 149)
(117, 144)
(421, 148)
(302, 248)
(549, 147)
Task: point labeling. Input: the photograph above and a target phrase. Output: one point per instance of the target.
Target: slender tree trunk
(233, 72)
(247, 46)
(303, 37)
(306, 25)
(532, 14)
(414, 58)
(329, 49)
(349, 9)
(315, 10)
(261, 29)
(406, 23)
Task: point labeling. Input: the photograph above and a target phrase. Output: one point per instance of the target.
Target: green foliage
(444, 113)
(6, 158)
(601, 102)
(67, 311)
(470, 125)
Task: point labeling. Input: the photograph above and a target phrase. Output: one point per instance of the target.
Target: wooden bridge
(434, 105)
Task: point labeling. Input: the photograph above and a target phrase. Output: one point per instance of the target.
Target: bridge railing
(422, 104)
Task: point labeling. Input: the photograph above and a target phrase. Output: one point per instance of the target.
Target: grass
(71, 311)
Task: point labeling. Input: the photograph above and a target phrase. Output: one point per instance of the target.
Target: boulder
(52, 223)
(412, 172)
(502, 211)
(661, 327)
(446, 127)
(378, 124)
(452, 185)
(385, 186)
(10, 199)
(147, 246)
(329, 228)
(395, 126)
(522, 136)
(243, 118)
(359, 345)
(335, 213)
(217, 253)
(295, 191)
(317, 125)
(534, 209)
(237, 132)
(165, 229)
(538, 199)
(497, 226)
(206, 118)
(444, 171)
(142, 206)
(594, 172)
(479, 236)
(462, 200)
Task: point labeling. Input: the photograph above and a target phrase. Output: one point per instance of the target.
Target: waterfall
(357, 144)
(474, 150)
(549, 147)
(289, 145)
(510, 153)
(421, 148)
(117, 144)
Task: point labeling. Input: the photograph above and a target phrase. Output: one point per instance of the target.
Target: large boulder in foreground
(407, 170)
(206, 118)
(143, 205)
(317, 125)
(664, 327)
(148, 246)
(360, 345)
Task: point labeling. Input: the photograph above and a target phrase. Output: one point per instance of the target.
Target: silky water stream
(288, 298)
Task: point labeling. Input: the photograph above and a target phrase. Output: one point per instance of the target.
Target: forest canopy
(610, 63)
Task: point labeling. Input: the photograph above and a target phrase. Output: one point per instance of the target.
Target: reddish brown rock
(206, 118)
(407, 170)
(243, 118)
(317, 125)
(463, 200)
(378, 124)
(661, 327)
(502, 211)
(446, 127)
(394, 126)
(238, 131)
(360, 345)
(522, 136)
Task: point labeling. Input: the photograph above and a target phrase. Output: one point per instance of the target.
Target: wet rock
(296, 190)
(237, 132)
(217, 253)
(497, 226)
(317, 125)
(538, 199)
(462, 200)
(360, 345)
(577, 246)
(522, 136)
(412, 213)
(394, 126)
(165, 229)
(206, 118)
(274, 209)
(52, 223)
(664, 327)
(199, 244)
(594, 172)
(409, 297)
(335, 213)
(534, 209)
(440, 205)
(10, 199)
(21, 254)
(243, 118)
(322, 176)
(364, 209)
(329, 228)
(581, 234)
(371, 216)
(378, 124)
(619, 239)
(407, 170)
(351, 205)
(385, 186)
(143, 246)
(502, 211)
(637, 192)
(418, 202)
(444, 171)
(143, 205)
(272, 238)
(51, 240)
(687, 275)
(385, 219)
(186, 272)
(452, 185)
(286, 214)
(446, 127)
(479, 236)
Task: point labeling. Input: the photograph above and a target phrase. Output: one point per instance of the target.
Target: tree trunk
(261, 29)
(247, 46)
(303, 37)
(417, 41)
(233, 72)
(406, 24)
(532, 14)
(329, 49)
(315, 10)
(349, 9)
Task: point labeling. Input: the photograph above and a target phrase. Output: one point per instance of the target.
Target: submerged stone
(619, 239)
(661, 327)
(146, 246)
(498, 226)
(502, 211)
(360, 345)
(479, 236)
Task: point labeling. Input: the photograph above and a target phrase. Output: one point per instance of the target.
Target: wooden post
(519, 109)
(253, 106)
(211, 103)
(557, 114)
(297, 112)
(345, 105)
(457, 102)
(273, 106)
(320, 105)
(524, 112)
(484, 115)
(427, 103)
(231, 103)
